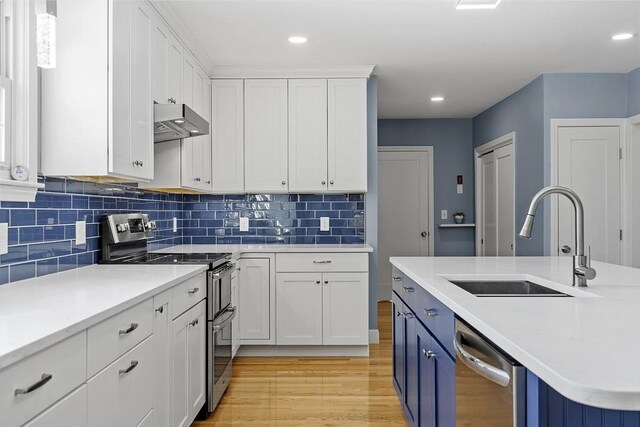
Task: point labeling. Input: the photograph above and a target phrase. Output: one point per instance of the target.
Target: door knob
(566, 249)
(423, 234)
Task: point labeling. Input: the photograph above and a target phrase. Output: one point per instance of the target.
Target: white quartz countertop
(37, 313)
(266, 248)
(586, 347)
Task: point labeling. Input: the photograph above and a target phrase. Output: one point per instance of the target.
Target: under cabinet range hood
(177, 121)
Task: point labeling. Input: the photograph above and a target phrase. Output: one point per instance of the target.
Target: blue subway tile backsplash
(42, 233)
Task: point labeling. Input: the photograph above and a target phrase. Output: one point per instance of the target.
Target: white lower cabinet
(122, 393)
(345, 308)
(299, 302)
(255, 301)
(68, 412)
(188, 369)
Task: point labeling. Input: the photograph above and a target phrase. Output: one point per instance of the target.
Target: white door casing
(586, 158)
(631, 239)
(405, 207)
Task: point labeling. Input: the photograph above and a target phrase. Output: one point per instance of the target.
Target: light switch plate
(443, 214)
(4, 238)
(459, 188)
(244, 224)
(81, 233)
(324, 223)
(175, 224)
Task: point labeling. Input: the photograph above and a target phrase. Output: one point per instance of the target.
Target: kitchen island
(584, 348)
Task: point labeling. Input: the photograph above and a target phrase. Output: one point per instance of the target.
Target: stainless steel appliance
(177, 121)
(490, 385)
(124, 241)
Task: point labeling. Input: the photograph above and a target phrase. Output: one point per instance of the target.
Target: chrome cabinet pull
(326, 282)
(327, 261)
(566, 249)
(194, 323)
(130, 368)
(160, 309)
(284, 182)
(331, 182)
(428, 354)
(42, 381)
(324, 182)
(317, 282)
(431, 312)
(408, 315)
(400, 314)
(193, 291)
(408, 289)
(423, 234)
(130, 329)
(397, 279)
(172, 100)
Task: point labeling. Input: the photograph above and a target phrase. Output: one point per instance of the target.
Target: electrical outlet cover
(324, 223)
(244, 224)
(4, 238)
(81, 233)
(175, 224)
(443, 214)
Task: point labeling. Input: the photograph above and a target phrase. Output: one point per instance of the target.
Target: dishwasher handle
(480, 367)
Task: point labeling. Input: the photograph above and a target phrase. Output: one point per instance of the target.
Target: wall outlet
(81, 233)
(175, 224)
(4, 238)
(244, 224)
(444, 214)
(459, 188)
(324, 223)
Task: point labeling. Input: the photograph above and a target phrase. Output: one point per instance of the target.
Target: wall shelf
(456, 225)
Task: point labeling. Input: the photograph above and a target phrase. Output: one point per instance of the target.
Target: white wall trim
(374, 336)
(421, 149)
(303, 350)
(480, 151)
(256, 72)
(629, 226)
(555, 125)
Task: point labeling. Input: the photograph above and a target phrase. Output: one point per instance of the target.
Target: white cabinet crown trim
(318, 72)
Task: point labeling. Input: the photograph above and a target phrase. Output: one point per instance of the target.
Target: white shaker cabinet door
(254, 299)
(167, 64)
(308, 135)
(347, 135)
(345, 309)
(265, 110)
(227, 136)
(299, 302)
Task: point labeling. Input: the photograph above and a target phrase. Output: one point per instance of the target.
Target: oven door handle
(218, 325)
(478, 366)
(217, 274)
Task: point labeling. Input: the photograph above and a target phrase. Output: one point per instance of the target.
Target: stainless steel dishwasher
(490, 385)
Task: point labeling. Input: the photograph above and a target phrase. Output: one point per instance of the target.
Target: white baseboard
(374, 336)
(303, 350)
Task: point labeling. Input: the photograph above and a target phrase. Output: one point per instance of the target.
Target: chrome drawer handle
(430, 312)
(407, 289)
(322, 262)
(194, 323)
(193, 291)
(397, 279)
(130, 368)
(130, 329)
(428, 354)
(408, 315)
(43, 380)
(160, 309)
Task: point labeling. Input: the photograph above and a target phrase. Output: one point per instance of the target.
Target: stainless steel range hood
(177, 121)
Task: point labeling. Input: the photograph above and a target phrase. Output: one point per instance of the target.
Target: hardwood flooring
(305, 391)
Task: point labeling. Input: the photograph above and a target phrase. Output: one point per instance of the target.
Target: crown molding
(257, 72)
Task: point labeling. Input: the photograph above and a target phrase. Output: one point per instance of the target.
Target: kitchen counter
(37, 313)
(266, 248)
(586, 347)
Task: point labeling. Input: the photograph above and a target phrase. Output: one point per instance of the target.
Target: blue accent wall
(453, 155)
(633, 92)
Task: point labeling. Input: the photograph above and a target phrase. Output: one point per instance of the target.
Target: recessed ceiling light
(297, 39)
(437, 98)
(622, 36)
(477, 4)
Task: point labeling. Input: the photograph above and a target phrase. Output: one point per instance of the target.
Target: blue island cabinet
(423, 371)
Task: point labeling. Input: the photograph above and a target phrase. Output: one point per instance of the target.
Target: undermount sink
(506, 288)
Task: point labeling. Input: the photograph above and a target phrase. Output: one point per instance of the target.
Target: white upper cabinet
(167, 64)
(227, 136)
(97, 105)
(265, 161)
(347, 139)
(308, 135)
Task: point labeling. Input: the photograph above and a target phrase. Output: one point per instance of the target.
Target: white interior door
(589, 164)
(497, 192)
(405, 220)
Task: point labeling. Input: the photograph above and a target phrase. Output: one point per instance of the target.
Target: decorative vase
(458, 218)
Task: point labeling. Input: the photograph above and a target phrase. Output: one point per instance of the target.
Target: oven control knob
(121, 228)
(153, 225)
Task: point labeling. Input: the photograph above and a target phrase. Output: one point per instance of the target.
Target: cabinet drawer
(65, 363)
(122, 394)
(437, 317)
(69, 412)
(189, 293)
(320, 262)
(113, 337)
(404, 287)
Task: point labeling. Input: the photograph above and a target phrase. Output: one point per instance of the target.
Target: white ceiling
(422, 48)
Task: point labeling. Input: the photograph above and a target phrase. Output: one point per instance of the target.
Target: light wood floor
(301, 391)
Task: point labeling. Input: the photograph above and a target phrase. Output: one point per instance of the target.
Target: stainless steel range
(124, 241)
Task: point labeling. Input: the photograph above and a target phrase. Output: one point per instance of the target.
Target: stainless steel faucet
(582, 270)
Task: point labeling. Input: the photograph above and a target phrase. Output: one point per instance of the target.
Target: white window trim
(24, 111)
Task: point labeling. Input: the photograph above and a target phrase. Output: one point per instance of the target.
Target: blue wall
(633, 92)
(522, 113)
(453, 155)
